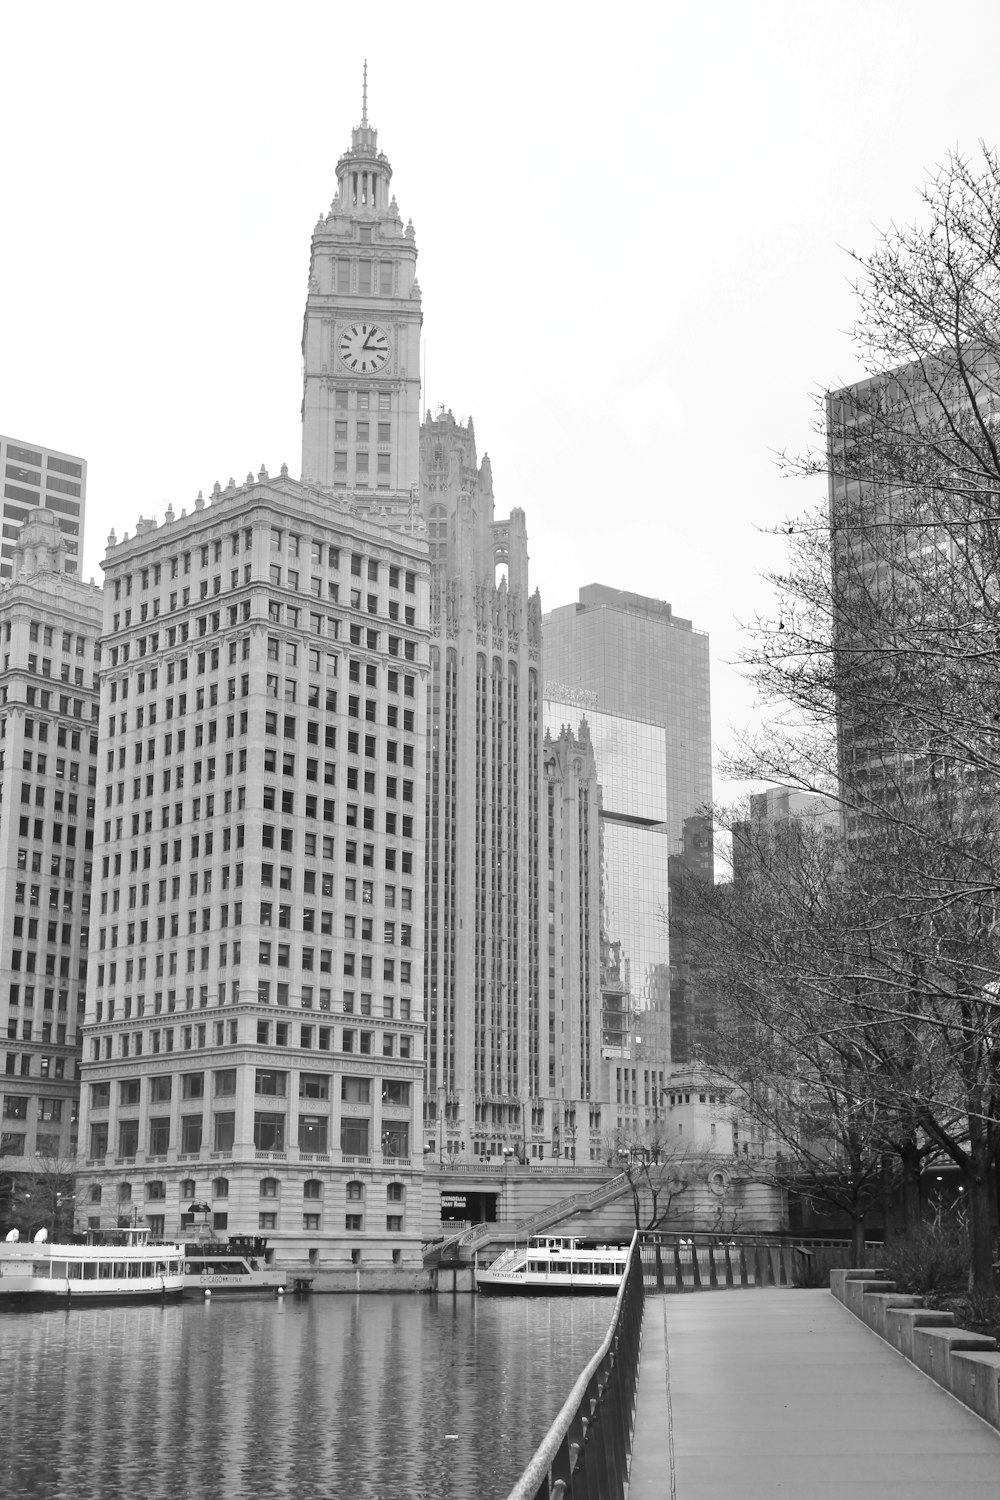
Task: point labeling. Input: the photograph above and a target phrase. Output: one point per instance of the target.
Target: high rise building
(644, 662)
(34, 476)
(254, 1022)
(627, 989)
(489, 1070)
(50, 627)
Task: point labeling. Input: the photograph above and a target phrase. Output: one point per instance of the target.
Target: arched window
(312, 1188)
(220, 1187)
(355, 1192)
(187, 1187)
(124, 1192)
(269, 1187)
(156, 1190)
(95, 1193)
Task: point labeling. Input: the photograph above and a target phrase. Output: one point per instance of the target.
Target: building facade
(577, 1076)
(50, 627)
(644, 662)
(35, 477)
(489, 1076)
(253, 1049)
(629, 987)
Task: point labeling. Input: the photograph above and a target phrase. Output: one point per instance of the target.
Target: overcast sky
(631, 221)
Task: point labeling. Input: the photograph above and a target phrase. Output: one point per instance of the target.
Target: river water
(316, 1398)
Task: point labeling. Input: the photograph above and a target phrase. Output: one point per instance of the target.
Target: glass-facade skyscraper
(632, 987)
(644, 662)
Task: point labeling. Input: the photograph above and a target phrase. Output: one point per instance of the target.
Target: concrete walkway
(757, 1394)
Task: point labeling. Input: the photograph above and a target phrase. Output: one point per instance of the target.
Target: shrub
(932, 1259)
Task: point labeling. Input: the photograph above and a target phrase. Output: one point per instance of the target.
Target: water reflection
(381, 1398)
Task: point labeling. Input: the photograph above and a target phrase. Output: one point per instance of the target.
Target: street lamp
(508, 1152)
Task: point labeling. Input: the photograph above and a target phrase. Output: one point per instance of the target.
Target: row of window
(389, 1007)
(14, 1143)
(362, 429)
(365, 400)
(66, 672)
(287, 544)
(63, 1036)
(222, 1081)
(48, 998)
(30, 456)
(269, 1134)
(155, 1190)
(15, 1107)
(141, 931)
(19, 1065)
(200, 1035)
(59, 703)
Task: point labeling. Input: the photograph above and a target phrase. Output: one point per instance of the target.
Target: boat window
(90, 1270)
(58, 1268)
(41, 1268)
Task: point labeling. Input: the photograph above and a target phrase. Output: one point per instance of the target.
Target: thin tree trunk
(979, 1189)
(858, 1237)
(910, 1154)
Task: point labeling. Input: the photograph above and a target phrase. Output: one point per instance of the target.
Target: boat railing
(585, 1452)
(507, 1260)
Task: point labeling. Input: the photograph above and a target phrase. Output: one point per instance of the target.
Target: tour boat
(554, 1266)
(236, 1266)
(117, 1265)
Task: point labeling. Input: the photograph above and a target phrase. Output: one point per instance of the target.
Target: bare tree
(42, 1197)
(659, 1168)
(881, 667)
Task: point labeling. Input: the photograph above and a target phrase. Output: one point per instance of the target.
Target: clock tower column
(361, 338)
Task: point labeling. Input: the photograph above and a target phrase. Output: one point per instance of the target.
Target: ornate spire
(364, 96)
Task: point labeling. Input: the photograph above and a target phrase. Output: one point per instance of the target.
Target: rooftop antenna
(364, 97)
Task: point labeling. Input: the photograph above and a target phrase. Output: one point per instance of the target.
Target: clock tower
(361, 338)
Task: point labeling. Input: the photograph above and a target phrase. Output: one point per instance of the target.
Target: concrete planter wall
(966, 1364)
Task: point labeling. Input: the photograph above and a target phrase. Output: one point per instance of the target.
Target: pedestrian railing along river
(704, 1262)
(586, 1450)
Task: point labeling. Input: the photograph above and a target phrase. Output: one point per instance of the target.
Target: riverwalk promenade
(778, 1392)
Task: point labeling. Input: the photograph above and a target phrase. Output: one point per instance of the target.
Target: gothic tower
(487, 1035)
(361, 337)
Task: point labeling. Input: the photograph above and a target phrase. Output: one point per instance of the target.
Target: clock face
(364, 347)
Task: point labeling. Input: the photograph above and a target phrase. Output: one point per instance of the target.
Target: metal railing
(585, 1453)
(673, 1262)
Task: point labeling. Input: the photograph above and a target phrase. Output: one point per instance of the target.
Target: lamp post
(508, 1152)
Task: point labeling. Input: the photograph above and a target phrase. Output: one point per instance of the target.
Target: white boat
(236, 1266)
(118, 1265)
(554, 1266)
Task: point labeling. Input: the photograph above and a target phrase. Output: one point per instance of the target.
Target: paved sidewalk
(778, 1392)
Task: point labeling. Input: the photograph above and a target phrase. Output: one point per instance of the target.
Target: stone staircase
(546, 1218)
